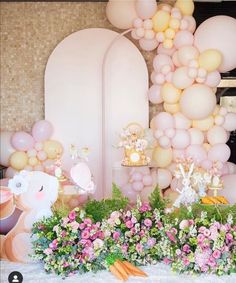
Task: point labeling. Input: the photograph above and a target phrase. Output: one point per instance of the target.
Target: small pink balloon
(42, 155)
(175, 59)
(172, 168)
(164, 178)
(182, 38)
(147, 180)
(224, 170)
(181, 78)
(153, 74)
(181, 139)
(178, 153)
(147, 24)
(10, 172)
(191, 23)
(160, 79)
(166, 51)
(137, 186)
(192, 72)
(206, 164)
(138, 23)
(148, 44)
(170, 133)
(197, 152)
(163, 120)
(38, 146)
(158, 133)
(137, 176)
(213, 79)
(22, 141)
(219, 152)
(165, 69)
(154, 94)
(146, 9)
(160, 37)
(31, 152)
(161, 60)
(164, 142)
(128, 191)
(169, 77)
(42, 130)
(219, 120)
(134, 35)
(230, 122)
(183, 24)
(176, 15)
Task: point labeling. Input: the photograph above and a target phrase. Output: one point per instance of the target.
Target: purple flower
(216, 254)
(141, 233)
(72, 215)
(53, 244)
(216, 224)
(151, 242)
(186, 248)
(116, 235)
(148, 222)
(211, 262)
(229, 237)
(133, 219)
(85, 234)
(145, 207)
(129, 224)
(81, 226)
(139, 248)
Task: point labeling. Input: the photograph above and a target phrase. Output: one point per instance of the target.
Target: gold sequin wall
(29, 33)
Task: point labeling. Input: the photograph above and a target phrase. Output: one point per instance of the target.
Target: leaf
(156, 201)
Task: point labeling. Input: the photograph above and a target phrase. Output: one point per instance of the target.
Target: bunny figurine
(35, 192)
(187, 194)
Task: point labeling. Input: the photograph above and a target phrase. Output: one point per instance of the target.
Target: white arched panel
(95, 83)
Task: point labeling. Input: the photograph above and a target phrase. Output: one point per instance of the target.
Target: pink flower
(139, 248)
(148, 222)
(159, 225)
(186, 248)
(186, 261)
(174, 231)
(167, 260)
(216, 224)
(72, 215)
(201, 229)
(200, 238)
(124, 248)
(115, 214)
(183, 224)
(204, 268)
(224, 249)
(211, 262)
(178, 252)
(116, 235)
(48, 251)
(66, 264)
(207, 233)
(129, 224)
(151, 242)
(229, 237)
(145, 207)
(141, 233)
(216, 254)
(133, 219)
(227, 227)
(63, 234)
(74, 225)
(171, 236)
(202, 257)
(85, 234)
(53, 244)
(65, 220)
(87, 221)
(191, 222)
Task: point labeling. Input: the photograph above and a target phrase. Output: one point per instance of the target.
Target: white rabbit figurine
(187, 194)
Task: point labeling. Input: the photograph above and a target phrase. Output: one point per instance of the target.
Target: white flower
(18, 184)
(98, 244)
(230, 219)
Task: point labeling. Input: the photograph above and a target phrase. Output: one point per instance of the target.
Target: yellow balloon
(170, 33)
(52, 148)
(204, 124)
(185, 6)
(18, 160)
(168, 43)
(33, 161)
(162, 157)
(160, 21)
(210, 59)
(174, 23)
(171, 108)
(170, 94)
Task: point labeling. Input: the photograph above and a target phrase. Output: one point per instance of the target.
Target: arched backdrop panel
(95, 83)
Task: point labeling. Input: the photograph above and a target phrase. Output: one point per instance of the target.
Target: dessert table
(159, 273)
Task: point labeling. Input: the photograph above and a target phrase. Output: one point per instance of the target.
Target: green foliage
(99, 210)
(156, 201)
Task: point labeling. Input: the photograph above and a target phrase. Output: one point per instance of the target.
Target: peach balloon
(219, 152)
(187, 53)
(230, 122)
(196, 136)
(163, 121)
(181, 78)
(181, 139)
(146, 9)
(182, 38)
(148, 44)
(217, 134)
(197, 101)
(171, 108)
(197, 152)
(162, 50)
(164, 141)
(154, 94)
(175, 59)
(164, 178)
(169, 93)
(161, 60)
(191, 23)
(162, 157)
(181, 122)
(203, 124)
(170, 133)
(213, 79)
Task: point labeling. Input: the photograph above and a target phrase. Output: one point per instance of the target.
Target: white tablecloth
(160, 273)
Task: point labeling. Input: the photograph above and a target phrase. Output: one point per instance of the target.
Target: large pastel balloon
(197, 101)
(196, 136)
(22, 141)
(182, 38)
(203, 124)
(146, 8)
(164, 178)
(148, 44)
(129, 193)
(213, 79)
(171, 108)
(169, 93)
(121, 14)
(210, 59)
(230, 122)
(181, 122)
(219, 152)
(162, 157)
(219, 33)
(154, 94)
(197, 152)
(163, 121)
(6, 148)
(229, 182)
(18, 160)
(217, 134)
(160, 20)
(161, 60)
(181, 78)
(187, 53)
(42, 130)
(185, 6)
(181, 139)
(52, 148)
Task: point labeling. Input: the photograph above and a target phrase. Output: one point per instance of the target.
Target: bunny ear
(190, 170)
(182, 170)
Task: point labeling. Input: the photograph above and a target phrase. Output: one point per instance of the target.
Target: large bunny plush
(35, 192)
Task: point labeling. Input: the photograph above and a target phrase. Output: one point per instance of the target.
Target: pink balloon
(164, 178)
(230, 122)
(134, 35)
(10, 172)
(31, 152)
(169, 77)
(178, 153)
(166, 51)
(160, 79)
(148, 44)
(231, 167)
(158, 134)
(191, 23)
(181, 122)
(196, 136)
(163, 120)
(224, 170)
(219, 152)
(218, 33)
(181, 78)
(129, 193)
(42, 155)
(197, 152)
(22, 141)
(161, 60)
(217, 134)
(175, 59)
(147, 180)
(181, 139)
(137, 176)
(154, 94)
(137, 186)
(172, 168)
(42, 130)
(38, 146)
(146, 8)
(182, 38)
(213, 79)
(229, 182)
(170, 133)
(153, 75)
(164, 142)
(206, 164)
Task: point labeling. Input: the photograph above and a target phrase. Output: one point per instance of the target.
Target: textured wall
(29, 33)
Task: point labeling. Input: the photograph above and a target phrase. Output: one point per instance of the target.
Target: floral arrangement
(189, 240)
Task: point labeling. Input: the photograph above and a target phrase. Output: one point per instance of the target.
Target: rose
(98, 244)
(145, 207)
(186, 248)
(139, 248)
(72, 215)
(116, 235)
(74, 225)
(183, 224)
(186, 261)
(85, 234)
(216, 254)
(87, 221)
(229, 237)
(129, 224)
(148, 222)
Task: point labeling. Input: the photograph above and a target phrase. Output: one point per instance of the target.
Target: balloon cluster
(186, 73)
(24, 151)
